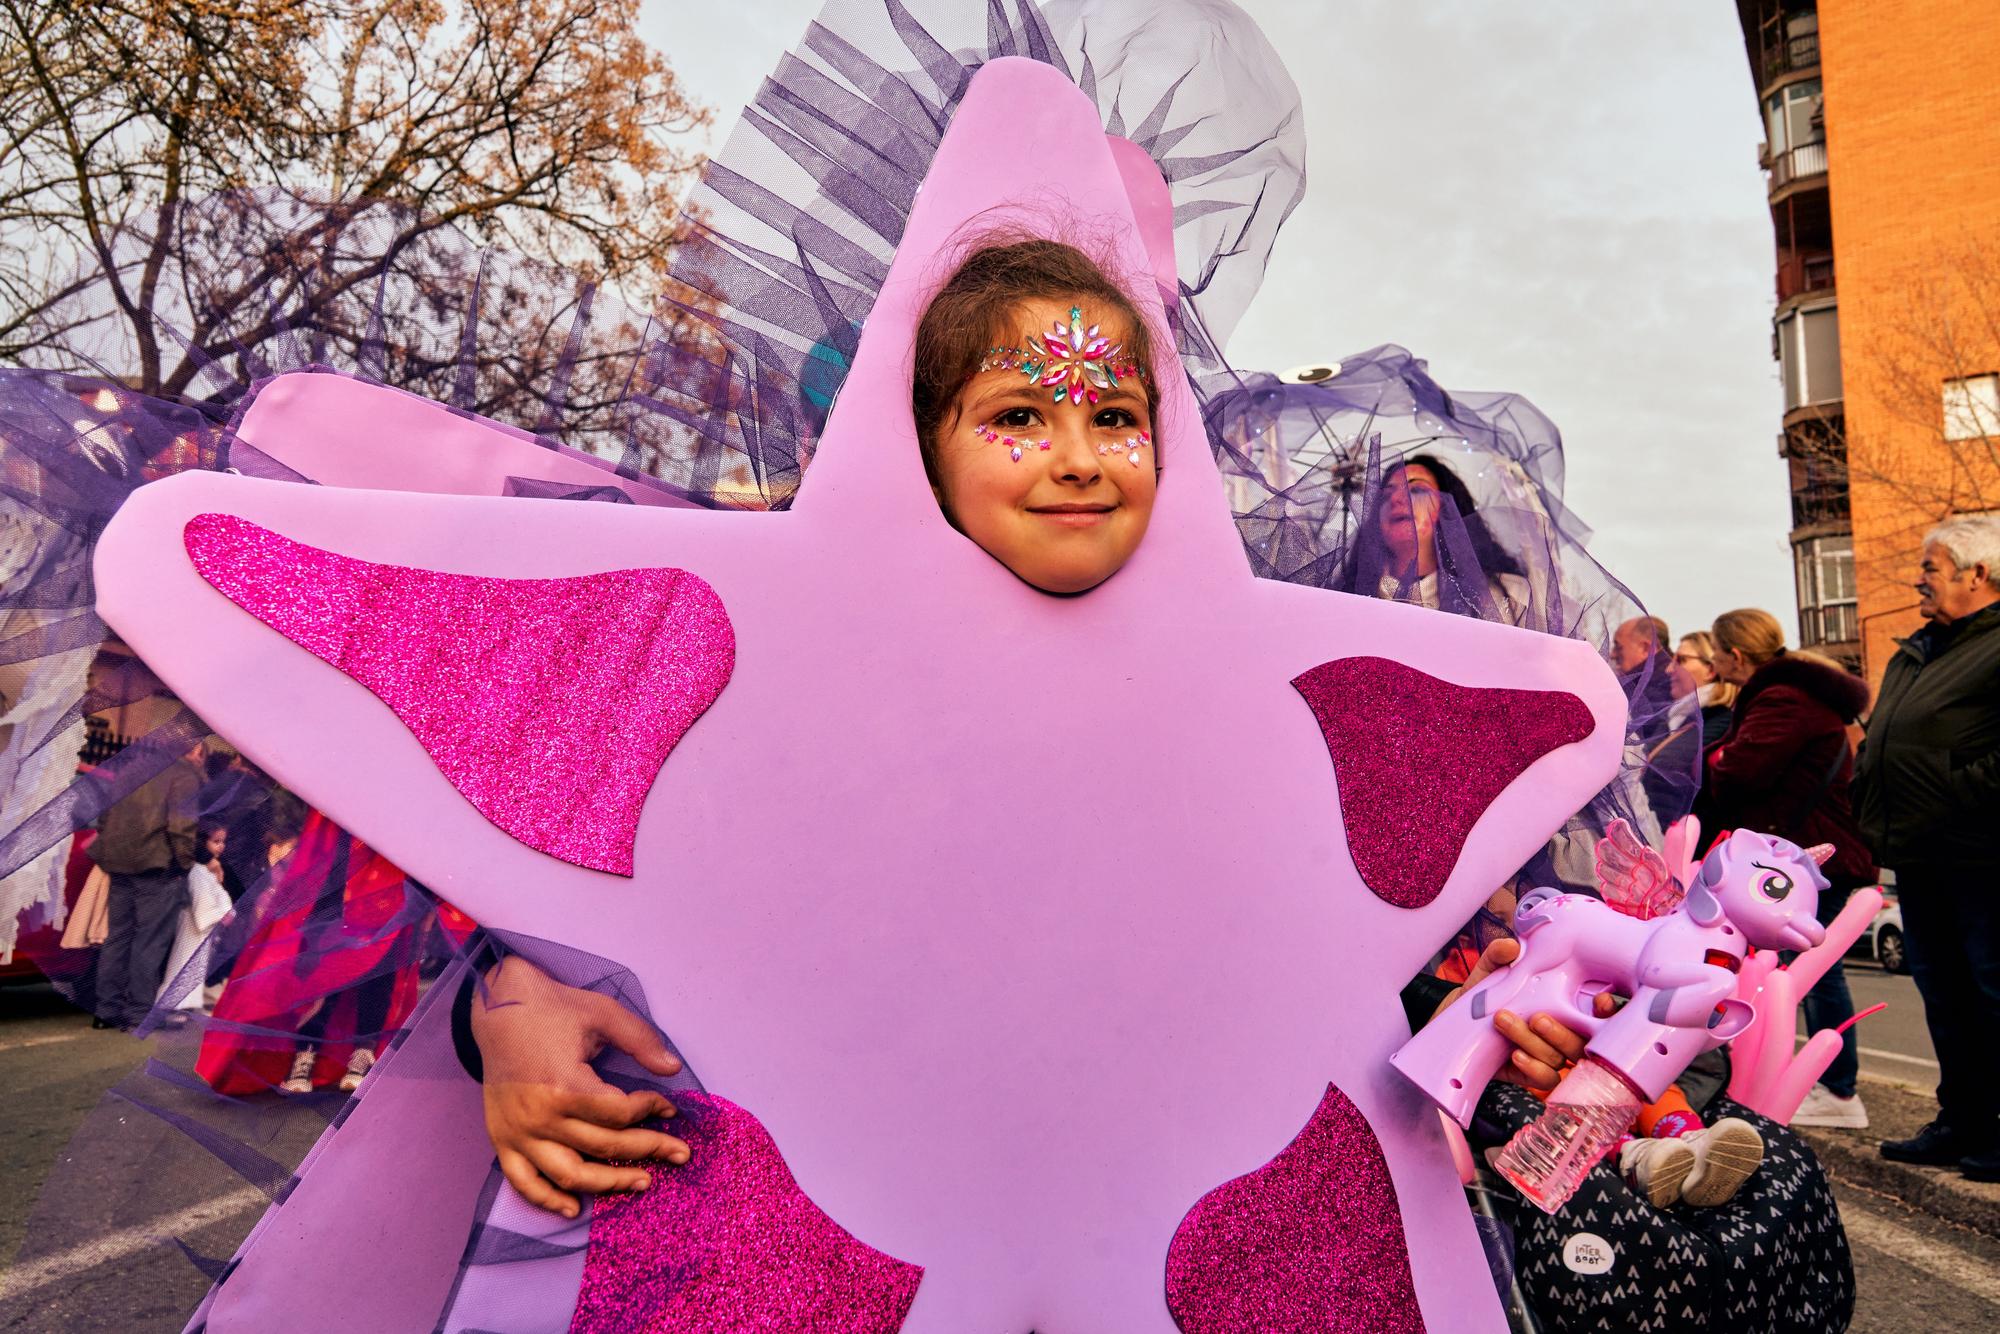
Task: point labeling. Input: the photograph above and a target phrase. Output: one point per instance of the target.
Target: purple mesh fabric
(716, 394)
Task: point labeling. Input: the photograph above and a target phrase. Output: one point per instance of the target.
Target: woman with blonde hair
(1694, 657)
(1784, 767)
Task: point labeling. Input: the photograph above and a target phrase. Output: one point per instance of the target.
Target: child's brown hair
(978, 308)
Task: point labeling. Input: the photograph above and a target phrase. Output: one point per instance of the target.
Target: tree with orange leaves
(184, 181)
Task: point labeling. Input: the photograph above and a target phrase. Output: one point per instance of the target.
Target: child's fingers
(1559, 1035)
(532, 1187)
(633, 1036)
(606, 1106)
(1517, 1031)
(620, 1145)
(1534, 1074)
(1491, 960)
(570, 1172)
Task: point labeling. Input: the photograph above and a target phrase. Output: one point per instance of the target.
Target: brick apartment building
(1881, 124)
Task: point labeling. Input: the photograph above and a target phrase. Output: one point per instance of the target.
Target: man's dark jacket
(153, 827)
(1928, 779)
(1783, 766)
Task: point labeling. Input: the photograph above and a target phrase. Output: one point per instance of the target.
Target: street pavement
(1915, 1273)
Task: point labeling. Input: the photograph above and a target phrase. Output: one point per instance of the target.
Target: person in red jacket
(1783, 768)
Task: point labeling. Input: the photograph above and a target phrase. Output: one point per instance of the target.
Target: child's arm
(547, 1112)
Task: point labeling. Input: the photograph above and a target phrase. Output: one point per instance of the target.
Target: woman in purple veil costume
(716, 400)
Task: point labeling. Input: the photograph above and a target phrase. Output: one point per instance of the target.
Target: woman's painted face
(1410, 510)
(1059, 493)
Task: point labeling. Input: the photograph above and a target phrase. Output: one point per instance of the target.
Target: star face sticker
(1022, 924)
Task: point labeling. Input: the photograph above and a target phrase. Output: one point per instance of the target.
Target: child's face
(1059, 493)
(217, 841)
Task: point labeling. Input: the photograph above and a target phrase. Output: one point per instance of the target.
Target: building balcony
(1789, 166)
(1790, 55)
(1800, 274)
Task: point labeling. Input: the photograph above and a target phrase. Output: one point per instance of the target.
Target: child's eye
(1115, 419)
(1017, 419)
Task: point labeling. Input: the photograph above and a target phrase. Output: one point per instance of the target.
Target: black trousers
(1951, 929)
(143, 911)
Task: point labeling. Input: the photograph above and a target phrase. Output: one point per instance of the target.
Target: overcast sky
(1560, 200)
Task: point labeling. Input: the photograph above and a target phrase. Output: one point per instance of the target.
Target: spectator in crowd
(1695, 659)
(1784, 767)
(1929, 785)
(1662, 719)
(145, 843)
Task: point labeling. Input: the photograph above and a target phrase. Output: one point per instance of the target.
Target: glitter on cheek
(729, 1242)
(550, 704)
(1419, 760)
(1312, 1240)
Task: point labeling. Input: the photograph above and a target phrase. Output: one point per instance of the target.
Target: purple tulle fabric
(715, 396)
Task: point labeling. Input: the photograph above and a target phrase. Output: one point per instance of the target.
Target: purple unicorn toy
(1676, 962)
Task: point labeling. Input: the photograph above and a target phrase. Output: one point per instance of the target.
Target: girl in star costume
(762, 454)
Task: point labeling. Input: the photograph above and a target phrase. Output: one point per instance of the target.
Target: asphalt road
(1914, 1272)
(1894, 1044)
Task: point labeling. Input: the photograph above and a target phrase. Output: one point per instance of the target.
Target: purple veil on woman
(716, 398)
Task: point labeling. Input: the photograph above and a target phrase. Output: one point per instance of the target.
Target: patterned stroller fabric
(1773, 1260)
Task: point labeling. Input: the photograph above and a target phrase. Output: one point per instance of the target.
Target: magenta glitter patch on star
(550, 704)
(1311, 1241)
(730, 1243)
(1419, 760)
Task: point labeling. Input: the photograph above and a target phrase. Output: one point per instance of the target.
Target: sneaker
(1726, 1155)
(1656, 1168)
(358, 1066)
(1824, 1107)
(1936, 1145)
(301, 1078)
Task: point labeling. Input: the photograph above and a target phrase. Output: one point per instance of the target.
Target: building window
(1795, 141)
(1972, 407)
(1809, 354)
(1828, 611)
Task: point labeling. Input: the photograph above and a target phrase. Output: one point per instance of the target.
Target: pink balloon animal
(1676, 958)
(1765, 1075)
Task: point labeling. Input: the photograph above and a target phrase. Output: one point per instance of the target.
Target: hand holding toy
(1677, 961)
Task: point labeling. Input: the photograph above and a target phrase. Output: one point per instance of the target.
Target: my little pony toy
(1676, 958)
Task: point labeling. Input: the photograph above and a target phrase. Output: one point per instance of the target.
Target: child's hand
(1543, 1044)
(547, 1112)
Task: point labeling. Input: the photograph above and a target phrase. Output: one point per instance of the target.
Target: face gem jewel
(1045, 444)
(1015, 453)
(1007, 440)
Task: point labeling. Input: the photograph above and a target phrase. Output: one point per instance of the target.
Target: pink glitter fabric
(1311, 1241)
(1419, 760)
(549, 703)
(730, 1243)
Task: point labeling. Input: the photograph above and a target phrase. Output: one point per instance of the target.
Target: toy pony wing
(1635, 879)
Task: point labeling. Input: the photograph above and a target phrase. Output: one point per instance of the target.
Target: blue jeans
(1829, 1005)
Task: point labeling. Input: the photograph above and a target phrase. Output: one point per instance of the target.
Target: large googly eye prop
(1774, 884)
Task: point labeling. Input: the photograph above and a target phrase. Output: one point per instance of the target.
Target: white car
(1883, 940)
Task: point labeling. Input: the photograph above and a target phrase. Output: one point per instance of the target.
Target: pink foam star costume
(1063, 959)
